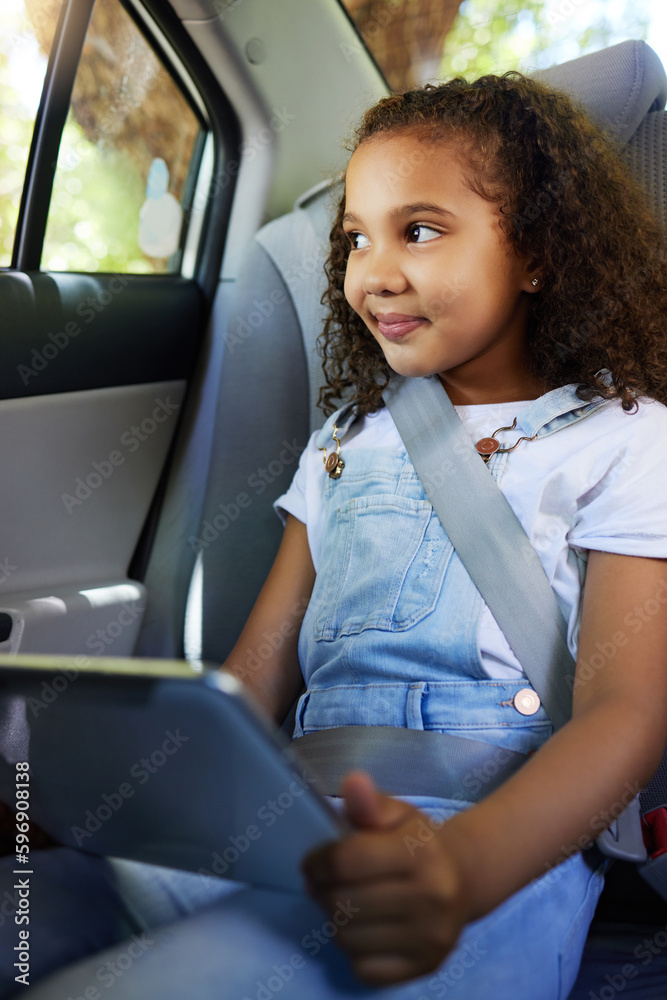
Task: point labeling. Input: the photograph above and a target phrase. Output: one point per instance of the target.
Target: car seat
(257, 406)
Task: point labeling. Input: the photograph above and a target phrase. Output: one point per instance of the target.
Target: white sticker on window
(160, 216)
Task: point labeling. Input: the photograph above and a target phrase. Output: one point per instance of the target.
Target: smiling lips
(395, 325)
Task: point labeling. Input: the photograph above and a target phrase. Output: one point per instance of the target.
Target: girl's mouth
(395, 325)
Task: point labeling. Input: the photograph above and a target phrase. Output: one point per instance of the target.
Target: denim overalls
(390, 635)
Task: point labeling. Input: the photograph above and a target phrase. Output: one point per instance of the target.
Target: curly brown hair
(568, 201)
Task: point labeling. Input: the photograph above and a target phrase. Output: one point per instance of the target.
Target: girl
(488, 236)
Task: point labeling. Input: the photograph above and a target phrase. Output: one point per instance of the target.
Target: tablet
(167, 762)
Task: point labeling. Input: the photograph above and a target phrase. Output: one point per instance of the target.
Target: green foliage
(479, 44)
(533, 34)
(94, 216)
(94, 213)
(16, 125)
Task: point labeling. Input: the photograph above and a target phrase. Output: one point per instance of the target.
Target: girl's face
(431, 273)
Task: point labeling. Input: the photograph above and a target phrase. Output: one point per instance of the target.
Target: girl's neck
(498, 390)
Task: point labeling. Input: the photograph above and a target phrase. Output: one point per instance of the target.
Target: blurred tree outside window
(26, 36)
(128, 154)
(421, 41)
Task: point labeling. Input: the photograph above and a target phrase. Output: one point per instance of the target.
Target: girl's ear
(532, 271)
(534, 278)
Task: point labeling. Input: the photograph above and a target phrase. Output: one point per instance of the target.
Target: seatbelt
(407, 761)
(502, 563)
(487, 536)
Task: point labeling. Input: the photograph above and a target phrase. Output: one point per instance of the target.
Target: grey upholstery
(619, 85)
(262, 415)
(298, 244)
(625, 89)
(647, 156)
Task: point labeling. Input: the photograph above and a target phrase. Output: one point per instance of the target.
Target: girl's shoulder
(645, 424)
(593, 445)
(622, 481)
(650, 410)
(587, 423)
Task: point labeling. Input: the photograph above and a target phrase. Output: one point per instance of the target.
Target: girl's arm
(412, 903)
(265, 656)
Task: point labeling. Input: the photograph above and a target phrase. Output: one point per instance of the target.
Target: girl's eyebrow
(403, 210)
(422, 206)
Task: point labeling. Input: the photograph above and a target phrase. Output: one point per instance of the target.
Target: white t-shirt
(598, 483)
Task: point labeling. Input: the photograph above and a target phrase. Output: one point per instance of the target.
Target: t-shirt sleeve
(296, 501)
(626, 510)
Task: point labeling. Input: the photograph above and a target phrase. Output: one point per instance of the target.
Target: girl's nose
(383, 275)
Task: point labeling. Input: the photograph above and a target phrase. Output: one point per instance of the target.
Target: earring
(535, 282)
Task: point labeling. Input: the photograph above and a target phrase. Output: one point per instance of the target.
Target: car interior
(151, 419)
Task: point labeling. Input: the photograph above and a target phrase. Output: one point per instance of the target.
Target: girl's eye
(420, 233)
(358, 241)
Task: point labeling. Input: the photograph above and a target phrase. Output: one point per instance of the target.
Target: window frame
(68, 40)
(198, 87)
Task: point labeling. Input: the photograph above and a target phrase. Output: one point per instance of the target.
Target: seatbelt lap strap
(405, 761)
(488, 537)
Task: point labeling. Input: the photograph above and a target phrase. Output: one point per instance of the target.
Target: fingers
(362, 806)
(383, 970)
(366, 855)
(391, 935)
(380, 849)
(367, 808)
(389, 901)
(408, 906)
(370, 853)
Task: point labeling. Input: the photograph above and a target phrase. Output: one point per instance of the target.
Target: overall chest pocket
(383, 566)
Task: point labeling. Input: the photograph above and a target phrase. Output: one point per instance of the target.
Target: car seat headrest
(618, 85)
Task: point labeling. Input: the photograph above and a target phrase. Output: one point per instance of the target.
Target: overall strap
(487, 536)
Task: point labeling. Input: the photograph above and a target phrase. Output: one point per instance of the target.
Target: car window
(26, 36)
(128, 158)
(420, 41)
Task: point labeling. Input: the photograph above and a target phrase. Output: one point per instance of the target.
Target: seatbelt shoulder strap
(487, 536)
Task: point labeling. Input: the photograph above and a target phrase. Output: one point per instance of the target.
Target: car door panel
(80, 471)
(66, 332)
(95, 373)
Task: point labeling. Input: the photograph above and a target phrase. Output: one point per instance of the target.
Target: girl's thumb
(365, 807)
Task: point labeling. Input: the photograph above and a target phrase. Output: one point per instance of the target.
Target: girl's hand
(403, 888)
